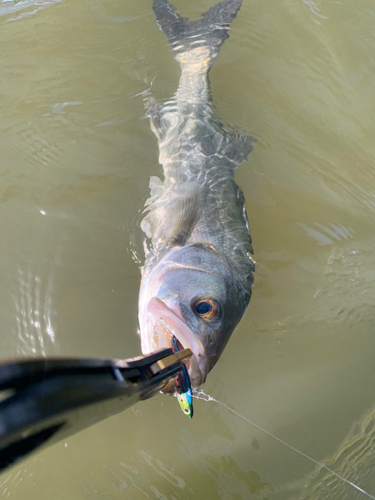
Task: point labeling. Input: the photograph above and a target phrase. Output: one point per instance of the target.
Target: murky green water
(76, 157)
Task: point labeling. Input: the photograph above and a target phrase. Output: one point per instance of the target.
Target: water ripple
(35, 333)
(354, 461)
(28, 8)
(336, 231)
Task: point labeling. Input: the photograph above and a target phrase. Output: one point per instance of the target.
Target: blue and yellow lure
(183, 387)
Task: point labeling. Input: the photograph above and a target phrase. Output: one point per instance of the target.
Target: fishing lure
(183, 387)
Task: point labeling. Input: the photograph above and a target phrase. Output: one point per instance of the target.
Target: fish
(198, 270)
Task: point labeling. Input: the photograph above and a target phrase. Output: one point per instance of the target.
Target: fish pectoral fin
(240, 148)
(183, 214)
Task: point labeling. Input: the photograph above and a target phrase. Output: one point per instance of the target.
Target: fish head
(193, 294)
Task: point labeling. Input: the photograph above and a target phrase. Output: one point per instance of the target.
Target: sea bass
(198, 273)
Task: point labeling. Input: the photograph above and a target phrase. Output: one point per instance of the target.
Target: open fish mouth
(167, 325)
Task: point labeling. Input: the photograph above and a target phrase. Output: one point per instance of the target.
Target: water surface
(76, 156)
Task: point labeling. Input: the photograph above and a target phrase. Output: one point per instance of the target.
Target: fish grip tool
(45, 400)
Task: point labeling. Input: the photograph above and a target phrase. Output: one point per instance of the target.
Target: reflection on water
(34, 315)
(323, 233)
(28, 8)
(163, 470)
(315, 9)
(76, 157)
(10, 481)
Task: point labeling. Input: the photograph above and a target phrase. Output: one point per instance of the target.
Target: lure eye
(206, 308)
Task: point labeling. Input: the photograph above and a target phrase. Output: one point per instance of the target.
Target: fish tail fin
(203, 37)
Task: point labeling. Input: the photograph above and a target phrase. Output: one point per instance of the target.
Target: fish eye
(206, 308)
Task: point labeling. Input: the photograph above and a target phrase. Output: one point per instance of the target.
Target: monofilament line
(206, 397)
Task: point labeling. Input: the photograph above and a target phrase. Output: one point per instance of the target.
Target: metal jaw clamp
(45, 400)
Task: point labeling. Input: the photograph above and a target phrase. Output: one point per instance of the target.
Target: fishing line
(206, 397)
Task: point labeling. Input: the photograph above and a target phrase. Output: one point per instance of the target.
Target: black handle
(44, 401)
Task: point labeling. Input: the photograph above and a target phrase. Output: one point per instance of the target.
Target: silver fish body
(196, 281)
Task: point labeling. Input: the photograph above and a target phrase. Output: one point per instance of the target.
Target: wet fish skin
(200, 243)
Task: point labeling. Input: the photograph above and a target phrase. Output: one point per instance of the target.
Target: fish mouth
(168, 324)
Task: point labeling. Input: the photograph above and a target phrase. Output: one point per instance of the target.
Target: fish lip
(172, 325)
